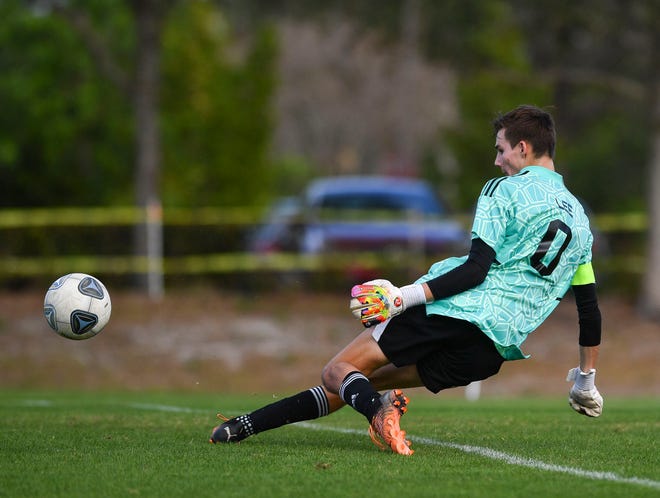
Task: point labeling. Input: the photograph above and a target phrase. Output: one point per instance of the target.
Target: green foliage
(215, 109)
(67, 132)
(487, 48)
(510, 53)
(473, 35)
(605, 149)
(481, 97)
(65, 135)
(291, 175)
(495, 76)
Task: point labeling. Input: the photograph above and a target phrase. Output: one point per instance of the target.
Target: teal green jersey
(540, 235)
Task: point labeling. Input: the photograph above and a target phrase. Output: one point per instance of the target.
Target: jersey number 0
(544, 246)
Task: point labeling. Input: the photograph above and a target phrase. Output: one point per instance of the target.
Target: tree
(233, 143)
(140, 87)
(216, 110)
(149, 15)
(651, 286)
(64, 132)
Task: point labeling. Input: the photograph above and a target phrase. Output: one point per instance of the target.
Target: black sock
(306, 405)
(357, 391)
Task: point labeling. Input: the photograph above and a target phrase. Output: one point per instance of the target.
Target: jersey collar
(541, 171)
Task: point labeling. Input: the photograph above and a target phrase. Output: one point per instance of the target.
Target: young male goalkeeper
(458, 323)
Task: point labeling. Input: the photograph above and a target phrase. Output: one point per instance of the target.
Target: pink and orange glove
(376, 301)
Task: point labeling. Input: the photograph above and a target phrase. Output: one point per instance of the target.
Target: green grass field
(99, 444)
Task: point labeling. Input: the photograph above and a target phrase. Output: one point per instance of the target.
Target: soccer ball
(77, 306)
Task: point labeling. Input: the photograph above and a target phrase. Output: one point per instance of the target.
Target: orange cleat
(384, 430)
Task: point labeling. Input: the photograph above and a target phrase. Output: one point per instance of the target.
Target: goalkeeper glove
(583, 397)
(375, 301)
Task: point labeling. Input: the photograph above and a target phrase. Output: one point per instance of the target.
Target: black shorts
(448, 352)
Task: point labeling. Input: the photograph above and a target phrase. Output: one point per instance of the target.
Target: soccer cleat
(232, 430)
(384, 430)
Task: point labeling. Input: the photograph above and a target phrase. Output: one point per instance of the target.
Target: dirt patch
(212, 341)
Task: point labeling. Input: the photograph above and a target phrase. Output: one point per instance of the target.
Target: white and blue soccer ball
(77, 306)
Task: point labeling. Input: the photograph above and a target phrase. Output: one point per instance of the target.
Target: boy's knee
(329, 377)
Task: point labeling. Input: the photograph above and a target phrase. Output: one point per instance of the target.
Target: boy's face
(509, 159)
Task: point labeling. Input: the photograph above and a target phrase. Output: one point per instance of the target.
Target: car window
(384, 202)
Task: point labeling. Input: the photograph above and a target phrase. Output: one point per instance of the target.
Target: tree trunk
(650, 303)
(148, 233)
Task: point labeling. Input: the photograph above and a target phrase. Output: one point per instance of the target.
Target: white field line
(507, 458)
(476, 450)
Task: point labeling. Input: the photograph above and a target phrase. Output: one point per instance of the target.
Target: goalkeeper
(457, 324)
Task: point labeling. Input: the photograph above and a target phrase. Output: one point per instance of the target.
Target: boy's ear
(525, 148)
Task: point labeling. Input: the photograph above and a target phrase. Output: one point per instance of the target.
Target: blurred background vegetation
(226, 103)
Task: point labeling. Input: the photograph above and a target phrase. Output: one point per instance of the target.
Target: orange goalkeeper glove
(375, 301)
